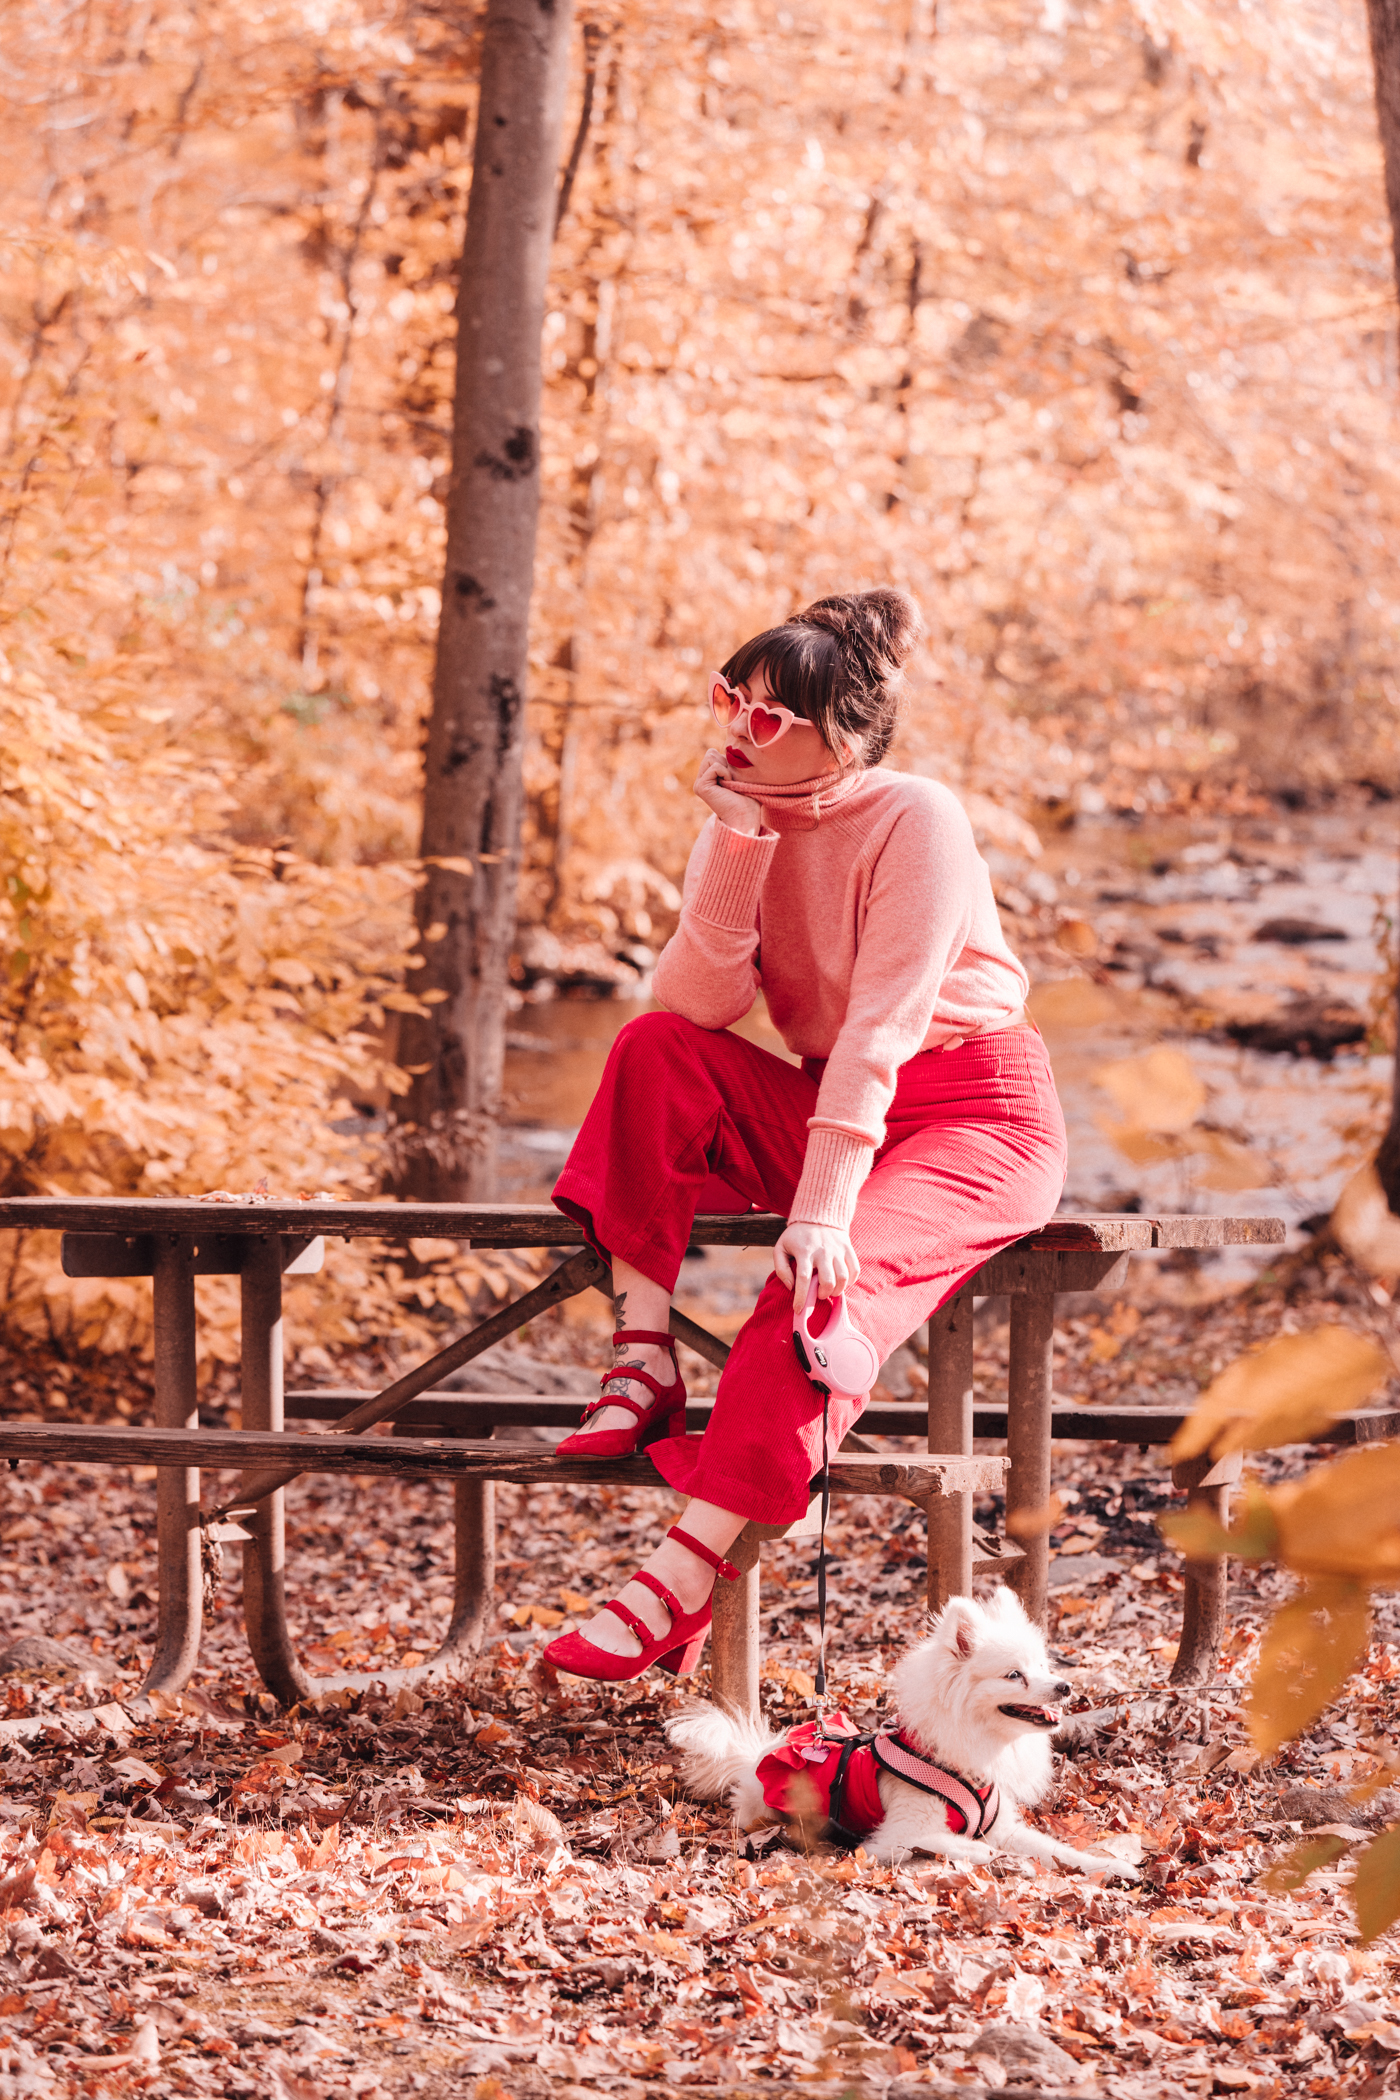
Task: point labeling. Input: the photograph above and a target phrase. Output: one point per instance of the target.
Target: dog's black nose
(1062, 1691)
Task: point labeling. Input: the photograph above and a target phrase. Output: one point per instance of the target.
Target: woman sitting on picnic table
(920, 1133)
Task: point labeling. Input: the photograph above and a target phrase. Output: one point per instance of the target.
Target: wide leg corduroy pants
(973, 1158)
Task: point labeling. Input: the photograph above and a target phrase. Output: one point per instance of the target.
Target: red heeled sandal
(677, 1649)
(664, 1417)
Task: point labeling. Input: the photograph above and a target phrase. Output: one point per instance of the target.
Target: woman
(920, 1134)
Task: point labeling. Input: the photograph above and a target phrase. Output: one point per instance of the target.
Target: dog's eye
(1015, 1677)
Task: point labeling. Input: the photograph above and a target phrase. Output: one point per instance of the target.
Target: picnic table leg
(734, 1634)
(474, 1536)
(265, 1554)
(950, 1430)
(1208, 1481)
(1029, 1399)
(180, 1618)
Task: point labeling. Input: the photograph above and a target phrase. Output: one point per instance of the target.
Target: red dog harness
(839, 1771)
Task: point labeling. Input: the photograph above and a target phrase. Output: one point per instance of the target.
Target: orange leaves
(1376, 1890)
(1344, 1519)
(1160, 1097)
(1309, 1651)
(1283, 1393)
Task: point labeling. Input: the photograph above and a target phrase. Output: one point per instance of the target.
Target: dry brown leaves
(493, 1889)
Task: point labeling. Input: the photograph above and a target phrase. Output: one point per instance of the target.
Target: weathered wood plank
(540, 1225)
(220, 1254)
(1109, 1425)
(915, 1475)
(1218, 1232)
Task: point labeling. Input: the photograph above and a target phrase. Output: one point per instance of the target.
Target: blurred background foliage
(1074, 320)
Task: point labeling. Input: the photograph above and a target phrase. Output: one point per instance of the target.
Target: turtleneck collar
(803, 802)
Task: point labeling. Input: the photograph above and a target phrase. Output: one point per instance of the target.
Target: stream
(1141, 939)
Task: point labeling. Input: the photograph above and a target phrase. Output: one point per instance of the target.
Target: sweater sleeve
(918, 918)
(708, 972)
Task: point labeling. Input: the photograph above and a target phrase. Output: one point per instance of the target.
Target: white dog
(977, 1704)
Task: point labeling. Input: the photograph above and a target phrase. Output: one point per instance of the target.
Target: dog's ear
(1004, 1605)
(959, 1625)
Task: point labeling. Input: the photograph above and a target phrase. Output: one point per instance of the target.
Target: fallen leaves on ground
(496, 1887)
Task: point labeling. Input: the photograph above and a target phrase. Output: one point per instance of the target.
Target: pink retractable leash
(838, 1360)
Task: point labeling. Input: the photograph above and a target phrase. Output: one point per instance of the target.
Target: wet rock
(1304, 1028)
(1027, 2056)
(1076, 1569)
(514, 1371)
(35, 1656)
(1314, 1805)
(1296, 933)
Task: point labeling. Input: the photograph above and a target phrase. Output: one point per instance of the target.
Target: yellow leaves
(1106, 1342)
(1344, 1519)
(1160, 1096)
(1156, 1092)
(1253, 1535)
(1076, 937)
(575, 1601)
(1074, 1002)
(1365, 1226)
(1034, 1523)
(1291, 1872)
(288, 969)
(1233, 1167)
(1307, 1655)
(1376, 1889)
(1284, 1393)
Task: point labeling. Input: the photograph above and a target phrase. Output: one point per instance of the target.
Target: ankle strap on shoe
(642, 1334)
(726, 1568)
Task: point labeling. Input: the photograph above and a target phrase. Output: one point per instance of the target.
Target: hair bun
(888, 620)
(875, 630)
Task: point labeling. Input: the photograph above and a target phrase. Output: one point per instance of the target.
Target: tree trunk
(445, 1140)
(1384, 19)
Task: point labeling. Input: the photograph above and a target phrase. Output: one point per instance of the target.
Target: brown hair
(838, 664)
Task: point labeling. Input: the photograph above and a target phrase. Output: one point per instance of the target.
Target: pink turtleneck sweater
(865, 912)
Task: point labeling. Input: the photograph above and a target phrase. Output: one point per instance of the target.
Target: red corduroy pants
(973, 1158)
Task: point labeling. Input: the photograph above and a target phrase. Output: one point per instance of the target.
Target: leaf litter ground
(496, 1888)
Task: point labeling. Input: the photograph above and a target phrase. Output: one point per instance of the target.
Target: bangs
(800, 662)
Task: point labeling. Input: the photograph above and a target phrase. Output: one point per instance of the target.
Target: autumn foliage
(1078, 325)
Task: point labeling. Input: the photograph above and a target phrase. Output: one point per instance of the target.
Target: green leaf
(1376, 1889)
(1290, 1874)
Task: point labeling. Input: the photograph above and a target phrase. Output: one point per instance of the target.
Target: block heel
(677, 1656)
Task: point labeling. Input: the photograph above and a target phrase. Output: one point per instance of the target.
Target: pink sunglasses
(762, 722)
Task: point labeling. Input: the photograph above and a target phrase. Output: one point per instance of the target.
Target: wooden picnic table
(175, 1240)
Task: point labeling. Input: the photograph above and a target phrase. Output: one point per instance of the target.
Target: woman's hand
(711, 785)
(823, 1250)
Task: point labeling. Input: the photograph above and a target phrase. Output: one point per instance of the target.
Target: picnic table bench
(176, 1240)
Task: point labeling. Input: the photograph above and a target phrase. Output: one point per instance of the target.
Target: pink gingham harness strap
(978, 1806)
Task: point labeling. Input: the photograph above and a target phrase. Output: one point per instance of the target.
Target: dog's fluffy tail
(717, 1749)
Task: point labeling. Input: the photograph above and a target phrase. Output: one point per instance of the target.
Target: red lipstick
(737, 758)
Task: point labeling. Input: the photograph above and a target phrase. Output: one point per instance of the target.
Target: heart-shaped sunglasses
(761, 721)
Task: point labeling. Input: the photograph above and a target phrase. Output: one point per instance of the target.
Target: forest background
(1078, 322)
